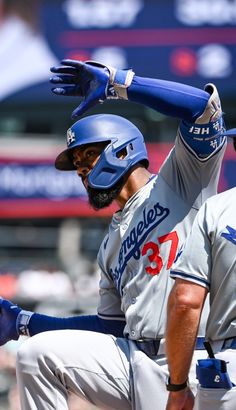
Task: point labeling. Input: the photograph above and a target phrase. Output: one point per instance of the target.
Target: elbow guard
(200, 136)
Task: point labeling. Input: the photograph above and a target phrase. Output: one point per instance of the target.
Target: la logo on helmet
(70, 137)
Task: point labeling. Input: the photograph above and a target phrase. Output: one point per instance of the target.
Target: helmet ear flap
(117, 159)
(110, 167)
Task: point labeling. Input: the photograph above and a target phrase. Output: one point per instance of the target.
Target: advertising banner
(33, 188)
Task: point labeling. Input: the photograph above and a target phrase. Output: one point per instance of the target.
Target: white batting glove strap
(22, 322)
(120, 80)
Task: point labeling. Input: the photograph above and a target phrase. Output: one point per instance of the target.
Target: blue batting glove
(92, 81)
(8, 316)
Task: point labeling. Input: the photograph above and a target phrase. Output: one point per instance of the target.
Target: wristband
(22, 322)
(121, 80)
(176, 387)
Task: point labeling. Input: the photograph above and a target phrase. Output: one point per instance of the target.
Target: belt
(199, 345)
(225, 344)
(229, 343)
(219, 345)
(149, 346)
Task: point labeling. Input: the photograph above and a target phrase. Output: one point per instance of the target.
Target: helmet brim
(64, 161)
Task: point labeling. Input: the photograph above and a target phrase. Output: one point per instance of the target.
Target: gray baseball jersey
(135, 258)
(209, 259)
(145, 237)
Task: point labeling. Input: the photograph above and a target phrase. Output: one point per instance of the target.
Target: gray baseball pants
(91, 365)
(94, 366)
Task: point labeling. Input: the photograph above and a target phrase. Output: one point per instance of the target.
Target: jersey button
(133, 333)
(133, 301)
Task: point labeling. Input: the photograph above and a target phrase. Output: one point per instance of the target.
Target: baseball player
(207, 264)
(116, 358)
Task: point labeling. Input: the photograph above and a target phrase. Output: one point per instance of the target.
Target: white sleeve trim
(112, 317)
(190, 278)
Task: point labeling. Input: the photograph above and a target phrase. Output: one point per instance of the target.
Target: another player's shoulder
(220, 201)
(230, 193)
(222, 196)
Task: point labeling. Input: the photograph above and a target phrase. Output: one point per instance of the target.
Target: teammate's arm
(185, 304)
(183, 316)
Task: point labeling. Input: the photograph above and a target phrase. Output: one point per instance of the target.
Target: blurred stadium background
(49, 236)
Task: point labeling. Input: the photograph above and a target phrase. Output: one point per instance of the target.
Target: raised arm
(95, 83)
(199, 110)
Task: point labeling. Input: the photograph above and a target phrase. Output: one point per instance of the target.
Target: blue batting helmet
(120, 135)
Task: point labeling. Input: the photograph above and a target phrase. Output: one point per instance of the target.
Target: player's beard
(101, 198)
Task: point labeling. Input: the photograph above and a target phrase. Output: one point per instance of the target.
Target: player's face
(84, 160)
